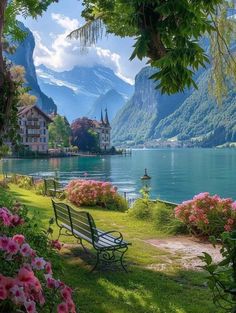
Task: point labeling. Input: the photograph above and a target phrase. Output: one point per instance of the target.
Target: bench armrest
(118, 239)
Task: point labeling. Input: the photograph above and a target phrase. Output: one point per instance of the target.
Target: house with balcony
(33, 128)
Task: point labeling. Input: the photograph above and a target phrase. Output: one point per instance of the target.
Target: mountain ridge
(191, 117)
(24, 56)
(81, 87)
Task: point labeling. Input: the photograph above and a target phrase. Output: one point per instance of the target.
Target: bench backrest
(51, 183)
(79, 221)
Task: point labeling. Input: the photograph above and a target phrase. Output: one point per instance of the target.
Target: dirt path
(184, 251)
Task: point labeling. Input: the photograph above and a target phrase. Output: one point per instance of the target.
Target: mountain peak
(77, 90)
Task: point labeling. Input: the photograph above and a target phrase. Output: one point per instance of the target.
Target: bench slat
(82, 225)
(80, 235)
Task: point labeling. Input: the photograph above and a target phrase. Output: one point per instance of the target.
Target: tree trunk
(3, 5)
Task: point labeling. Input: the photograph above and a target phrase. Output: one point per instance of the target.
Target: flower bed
(27, 283)
(92, 192)
(207, 215)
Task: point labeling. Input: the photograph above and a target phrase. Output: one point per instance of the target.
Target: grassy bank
(145, 289)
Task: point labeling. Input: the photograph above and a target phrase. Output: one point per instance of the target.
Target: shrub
(222, 275)
(91, 192)
(142, 209)
(23, 181)
(159, 214)
(27, 283)
(164, 220)
(116, 203)
(207, 215)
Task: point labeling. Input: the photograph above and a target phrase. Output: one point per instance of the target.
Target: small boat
(145, 176)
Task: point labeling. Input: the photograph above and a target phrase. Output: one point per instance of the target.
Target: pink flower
(16, 220)
(201, 196)
(41, 299)
(5, 216)
(227, 227)
(26, 276)
(12, 247)
(230, 221)
(52, 283)
(3, 293)
(234, 205)
(66, 293)
(71, 306)
(9, 282)
(19, 239)
(30, 307)
(56, 244)
(38, 263)
(192, 218)
(3, 242)
(26, 250)
(62, 308)
(18, 294)
(48, 268)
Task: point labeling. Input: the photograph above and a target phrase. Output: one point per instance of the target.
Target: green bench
(52, 187)
(109, 247)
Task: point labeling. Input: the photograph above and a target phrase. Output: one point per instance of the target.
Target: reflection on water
(177, 174)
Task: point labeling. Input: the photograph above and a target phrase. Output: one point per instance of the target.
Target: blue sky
(58, 53)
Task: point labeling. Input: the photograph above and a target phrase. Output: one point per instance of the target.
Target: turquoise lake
(177, 174)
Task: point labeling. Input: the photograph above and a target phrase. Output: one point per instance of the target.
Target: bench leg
(110, 257)
(121, 260)
(59, 235)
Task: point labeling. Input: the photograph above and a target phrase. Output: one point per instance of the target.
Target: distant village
(42, 134)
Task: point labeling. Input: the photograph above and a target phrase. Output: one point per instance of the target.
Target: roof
(26, 109)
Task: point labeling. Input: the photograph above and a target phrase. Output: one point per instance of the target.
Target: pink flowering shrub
(92, 192)
(27, 282)
(29, 265)
(9, 219)
(207, 215)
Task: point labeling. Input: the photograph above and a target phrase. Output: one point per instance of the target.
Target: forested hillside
(193, 116)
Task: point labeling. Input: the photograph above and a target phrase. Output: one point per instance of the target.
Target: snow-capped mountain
(76, 91)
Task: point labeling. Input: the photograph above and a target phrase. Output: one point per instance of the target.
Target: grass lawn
(142, 290)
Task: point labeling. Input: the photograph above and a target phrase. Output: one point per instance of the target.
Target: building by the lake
(103, 128)
(33, 124)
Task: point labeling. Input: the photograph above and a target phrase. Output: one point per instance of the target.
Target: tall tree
(84, 136)
(9, 95)
(59, 132)
(167, 33)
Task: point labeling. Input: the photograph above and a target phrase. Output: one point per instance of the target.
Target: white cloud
(65, 22)
(64, 54)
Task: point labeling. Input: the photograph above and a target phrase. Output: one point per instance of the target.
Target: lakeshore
(177, 174)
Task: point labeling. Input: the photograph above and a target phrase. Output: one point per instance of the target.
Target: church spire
(102, 121)
(106, 118)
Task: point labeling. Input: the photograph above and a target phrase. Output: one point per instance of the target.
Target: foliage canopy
(167, 33)
(59, 132)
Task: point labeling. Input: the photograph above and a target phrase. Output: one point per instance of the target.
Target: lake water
(177, 174)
